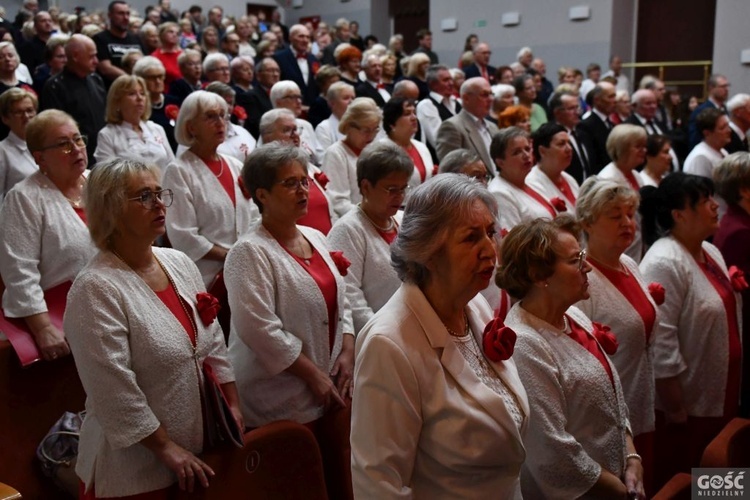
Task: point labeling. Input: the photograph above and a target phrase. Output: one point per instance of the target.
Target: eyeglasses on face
(294, 184)
(69, 145)
(581, 259)
(365, 130)
(149, 198)
(483, 178)
(394, 191)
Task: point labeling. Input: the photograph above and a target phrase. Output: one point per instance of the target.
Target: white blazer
(309, 141)
(634, 357)
(543, 185)
(278, 312)
(121, 141)
(340, 166)
(423, 424)
(202, 214)
(16, 163)
(327, 132)
(137, 366)
(429, 165)
(691, 339)
(43, 243)
(635, 250)
(579, 420)
(514, 206)
(238, 143)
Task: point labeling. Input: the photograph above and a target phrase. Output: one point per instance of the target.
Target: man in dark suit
(718, 92)
(481, 66)
(298, 64)
(598, 125)
(564, 109)
(372, 87)
(644, 115)
(739, 121)
(267, 72)
(342, 36)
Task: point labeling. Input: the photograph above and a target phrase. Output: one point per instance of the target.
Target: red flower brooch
(239, 112)
(342, 263)
(737, 278)
(208, 307)
(315, 67)
(559, 204)
(657, 292)
(498, 341)
(321, 178)
(606, 338)
(171, 111)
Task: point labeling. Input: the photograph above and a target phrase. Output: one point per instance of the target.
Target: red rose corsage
(208, 307)
(342, 263)
(315, 67)
(503, 232)
(498, 341)
(239, 112)
(321, 178)
(171, 111)
(737, 278)
(559, 204)
(606, 338)
(657, 292)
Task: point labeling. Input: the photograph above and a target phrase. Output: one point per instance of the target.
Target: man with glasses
(112, 43)
(259, 101)
(78, 90)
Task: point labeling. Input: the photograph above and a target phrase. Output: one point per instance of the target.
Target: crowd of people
(507, 287)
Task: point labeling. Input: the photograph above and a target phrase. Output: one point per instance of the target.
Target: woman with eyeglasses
(211, 210)
(44, 240)
(365, 234)
(360, 125)
(548, 177)
(292, 338)
(400, 124)
(286, 94)
(128, 133)
(17, 108)
(579, 441)
(153, 73)
(142, 332)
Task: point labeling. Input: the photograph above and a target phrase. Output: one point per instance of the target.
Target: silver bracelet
(633, 455)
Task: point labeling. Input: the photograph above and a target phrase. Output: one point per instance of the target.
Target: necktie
(301, 55)
(581, 153)
(380, 86)
(609, 123)
(650, 127)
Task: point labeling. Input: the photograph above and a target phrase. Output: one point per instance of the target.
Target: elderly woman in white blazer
(17, 108)
(621, 298)
(553, 152)
(424, 372)
(365, 233)
(511, 151)
(211, 211)
(579, 441)
(140, 334)
(44, 241)
(129, 133)
(697, 350)
(400, 124)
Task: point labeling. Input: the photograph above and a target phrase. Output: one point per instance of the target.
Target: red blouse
(318, 215)
(590, 344)
(221, 170)
(175, 305)
(418, 163)
(81, 212)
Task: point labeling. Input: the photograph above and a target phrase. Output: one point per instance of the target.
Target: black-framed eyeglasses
(293, 184)
(67, 146)
(149, 198)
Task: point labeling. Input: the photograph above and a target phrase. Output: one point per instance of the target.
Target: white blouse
(691, 339)
(514, 205)
(543, 185)
(309, 141)
(634, 357)
(121, 141)
(16, 163)
(371, 280)
(278, 312)
(327, 132)
(340, 166)
(202, 214)
(43, 243)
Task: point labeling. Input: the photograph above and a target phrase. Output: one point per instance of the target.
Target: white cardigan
(611, 172)
(43, 243)
(327, 132)
(278, 312)
(691, 339)
(137, 366)
(423, 424)
(238, 143)
(121, 141)
(16, 163)
(309, 141)
(634, 358)
(202, 214)
(543, 185)
(429, 165)
(578, 420)
(340, 166)
(371, 279)
(514, 205)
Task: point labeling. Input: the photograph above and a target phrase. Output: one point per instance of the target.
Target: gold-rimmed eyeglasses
(149, 198)
(69, 145)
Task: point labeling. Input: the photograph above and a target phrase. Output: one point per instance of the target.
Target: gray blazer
(461, 132)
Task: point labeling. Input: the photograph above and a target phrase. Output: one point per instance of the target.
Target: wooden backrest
(279, 460)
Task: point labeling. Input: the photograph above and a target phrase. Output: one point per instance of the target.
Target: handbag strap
(46, 438)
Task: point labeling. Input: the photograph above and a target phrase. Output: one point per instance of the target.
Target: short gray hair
(732, 175)
(380, 159)
(280, 89)
(335, 90)
(736, 102)
(193, 105)
(146, 63)
(270, 117)
(221, 89)
(106, 195)
(455, 161)
(471, 84)
(597, 195)
(523, 52)
(186, 55)
(501, 140)
(432, 211)
(432, 72)
(212, 59)
(261, 167)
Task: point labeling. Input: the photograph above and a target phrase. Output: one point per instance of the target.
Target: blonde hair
(14, 95)
(598, 195)
(621, 137)
(38, 127)
(120, 87)
(360, 110)
(415, 61)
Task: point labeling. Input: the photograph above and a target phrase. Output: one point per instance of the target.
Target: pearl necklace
(454, 333)
(393, 225)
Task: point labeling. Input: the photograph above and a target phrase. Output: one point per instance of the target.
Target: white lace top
(469, 349)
